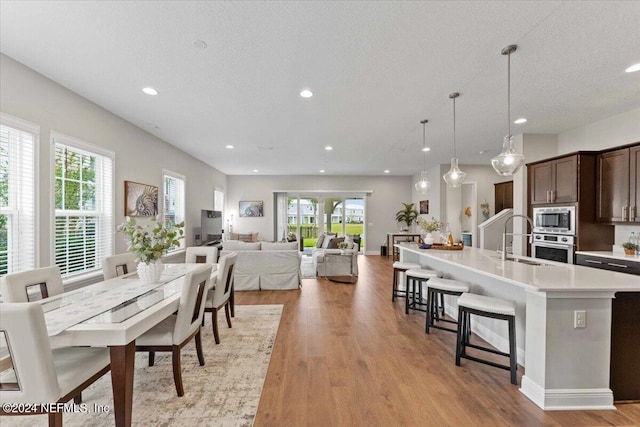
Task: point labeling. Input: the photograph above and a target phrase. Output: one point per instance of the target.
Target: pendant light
(509, 161)
(423, 185)
(455, 176)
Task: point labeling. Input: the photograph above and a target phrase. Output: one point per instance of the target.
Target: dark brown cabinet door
(503, 195)
(564, 180)
(555, 181)
(613, 186)
(540, 181)
(634, 184)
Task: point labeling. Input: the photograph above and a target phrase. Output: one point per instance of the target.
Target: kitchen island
(565, 367)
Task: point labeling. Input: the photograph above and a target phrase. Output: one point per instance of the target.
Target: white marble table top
(116, 311)
(549, 277)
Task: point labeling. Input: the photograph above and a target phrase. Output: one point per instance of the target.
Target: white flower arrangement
(430, 226)
(152, 240)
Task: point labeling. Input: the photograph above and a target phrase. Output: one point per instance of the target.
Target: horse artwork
(140, 199)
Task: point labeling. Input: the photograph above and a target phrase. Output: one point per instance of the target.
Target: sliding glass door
(308, 215)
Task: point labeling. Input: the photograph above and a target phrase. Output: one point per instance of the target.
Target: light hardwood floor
(345, 355)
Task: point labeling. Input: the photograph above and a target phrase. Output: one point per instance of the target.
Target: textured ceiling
(376, 69)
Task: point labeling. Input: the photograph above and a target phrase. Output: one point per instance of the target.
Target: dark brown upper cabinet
(618, 185)
(554, 181)
(503, 192)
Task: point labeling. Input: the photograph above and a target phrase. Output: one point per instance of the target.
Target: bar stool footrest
(490, 350)
(486, 362)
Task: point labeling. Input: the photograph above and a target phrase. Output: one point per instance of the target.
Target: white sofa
(263, 265)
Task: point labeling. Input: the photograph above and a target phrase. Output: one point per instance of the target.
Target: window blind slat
(84, 207)
(17, 197)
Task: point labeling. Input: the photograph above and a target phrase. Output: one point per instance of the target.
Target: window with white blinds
(18, 141)
(174, 202)
(83, 196)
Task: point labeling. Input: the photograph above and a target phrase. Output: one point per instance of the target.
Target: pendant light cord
(424, 154)
(454, 129)
(509, 94)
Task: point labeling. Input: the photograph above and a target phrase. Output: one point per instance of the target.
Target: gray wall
(388, 193)
(139, 156)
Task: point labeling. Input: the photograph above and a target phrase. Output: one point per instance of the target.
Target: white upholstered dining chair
(34, 372)
(197, 254)
(118, 265)
(220, 292)
(177, 330)
(31, 285)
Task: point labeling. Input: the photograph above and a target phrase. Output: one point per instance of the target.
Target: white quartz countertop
(613, 255)
(550, 276)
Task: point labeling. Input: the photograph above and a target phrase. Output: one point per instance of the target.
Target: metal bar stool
(438, 286)
(494, 308)
(416, 278)
(398, 268)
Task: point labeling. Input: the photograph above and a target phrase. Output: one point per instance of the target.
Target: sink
(525, 261)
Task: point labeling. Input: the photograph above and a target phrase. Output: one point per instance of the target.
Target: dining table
(112, 314)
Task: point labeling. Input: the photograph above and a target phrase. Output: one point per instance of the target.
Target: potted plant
(430, 227)
(407, 215)
(149, 242)
(343, 246)
(630, 248)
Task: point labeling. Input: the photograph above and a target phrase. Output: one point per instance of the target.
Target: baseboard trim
(567, 399)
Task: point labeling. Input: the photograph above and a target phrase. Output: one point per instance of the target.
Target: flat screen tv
(211, 226)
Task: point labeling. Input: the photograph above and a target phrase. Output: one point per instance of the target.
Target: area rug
(306, 266)
(224, 392)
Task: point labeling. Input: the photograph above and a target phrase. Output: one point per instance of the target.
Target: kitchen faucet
(504, 234)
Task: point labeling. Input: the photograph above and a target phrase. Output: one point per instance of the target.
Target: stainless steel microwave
(555, 220)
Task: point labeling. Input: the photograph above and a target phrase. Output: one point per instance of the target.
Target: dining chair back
(31, 285)
(176, 331)
(191, 308)
(197, 254)
(34, 373)
(220, 293)
(118, 265)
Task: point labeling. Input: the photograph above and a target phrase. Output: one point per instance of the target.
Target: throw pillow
(333, 243)
(320, 240)
(248, 237)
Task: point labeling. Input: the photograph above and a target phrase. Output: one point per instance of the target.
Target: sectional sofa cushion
(279, 246)
(236, 245)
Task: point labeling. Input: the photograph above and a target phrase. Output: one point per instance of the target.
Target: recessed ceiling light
(256, 171)
(386, 171)
(633, 68)
(321, 170)
(151, 125)
(425, 149)
(328, 148)
(200, 44)
(150, 91)
(306, 93)
(520, 120)
(482, 151)
(229, 147)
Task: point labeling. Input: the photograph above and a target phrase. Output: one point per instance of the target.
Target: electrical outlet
(579, 319)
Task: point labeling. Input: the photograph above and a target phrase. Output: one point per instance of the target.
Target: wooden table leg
(122, 367)
(232, 301)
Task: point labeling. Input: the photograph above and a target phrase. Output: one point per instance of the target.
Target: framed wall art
(251, 209)
(424, 206)
(140, 199)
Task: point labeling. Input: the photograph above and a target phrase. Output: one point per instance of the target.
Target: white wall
(388, 193)
(139, 156)
(613, 131)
